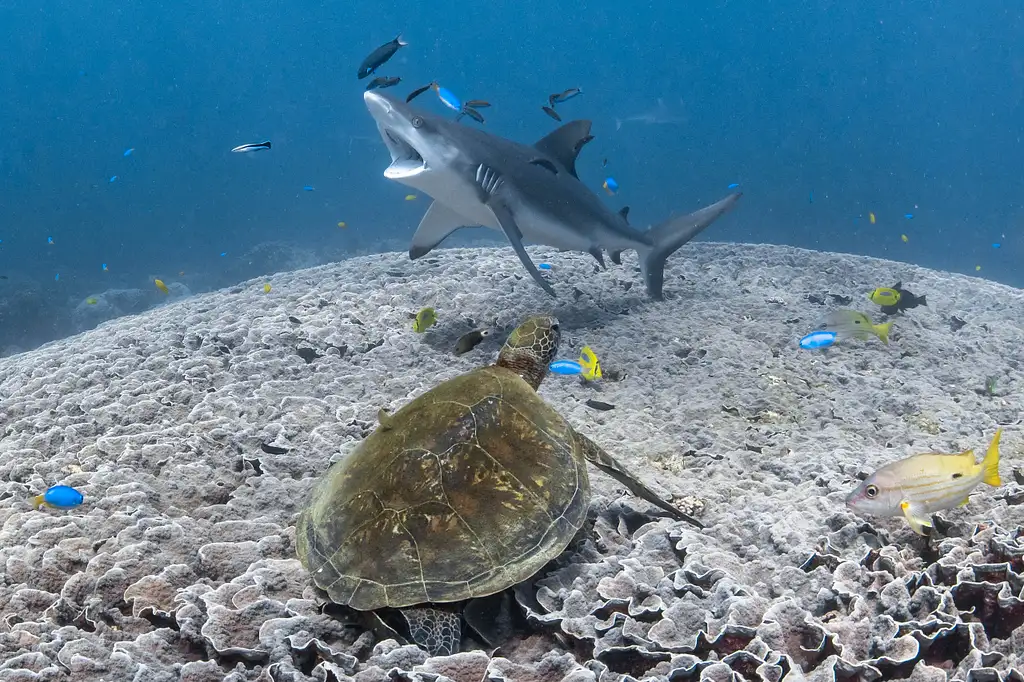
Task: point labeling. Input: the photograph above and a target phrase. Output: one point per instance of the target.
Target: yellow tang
(342, 224)
(591, 365)
(905, 238)
(410, 197)
(91, 300)
(425, 319)
(266, 288)
(884, 296)
(920, 485)
(871, 217)
(161, 286)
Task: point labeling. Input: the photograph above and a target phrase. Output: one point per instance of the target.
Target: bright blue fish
(734, 185)
(908, 216)
(56, 278)
(128, 152)
(610, 186)
(308, 188)
(447, 97)
(104, 267)
(49, 240)
(544, 266)
(818, 340)
(113, 178)
(567, 367)
(223, 253)
(59, 497)
(996, 245)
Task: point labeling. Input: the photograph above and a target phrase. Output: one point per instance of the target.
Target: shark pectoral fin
(917, 522)
(564, 144)
(672, 234)
(437, 223)
(515, 237)
(596, 253)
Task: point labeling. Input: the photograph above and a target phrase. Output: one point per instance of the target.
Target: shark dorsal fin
(624, 212)
(564, 144)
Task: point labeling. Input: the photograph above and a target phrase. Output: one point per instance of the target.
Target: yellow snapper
(920, 485)
(591, 365)
(884, 296)
(424, 320)
(846, 323)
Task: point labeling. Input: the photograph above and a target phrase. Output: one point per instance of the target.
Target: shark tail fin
(673, 233)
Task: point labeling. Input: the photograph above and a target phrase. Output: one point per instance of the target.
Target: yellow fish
(410, 197)
(424, 320)
(884, 296)
(91, 301)
(871, 218)
(920, 485)
(905, 238)
(846, 323)
(591, 365)
(977, 268)
(342, 224)
(266, 288)
(161, 286)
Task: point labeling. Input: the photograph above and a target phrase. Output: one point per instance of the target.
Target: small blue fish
(113, 178)
(544, 266)
(59, 497)
(223, 253)
(104, 267)
(908, 216)
(56, 278)
(447, 97)
(49, 240)
(996, 245)
(567, 367)
(128, 152)
(610, 186)
(734, 185)
(810, 197)
(818, 340)
(308, 188)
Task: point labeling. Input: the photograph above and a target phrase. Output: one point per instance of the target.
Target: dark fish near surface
(380, 55)
(470, 340)
(564, 96)
(383, 82)
(252, 147)
(552, 113)
(478, 104)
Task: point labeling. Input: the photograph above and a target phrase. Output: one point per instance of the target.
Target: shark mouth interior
(405, 160)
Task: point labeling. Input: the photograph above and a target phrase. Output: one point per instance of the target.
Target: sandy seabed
(181, 564)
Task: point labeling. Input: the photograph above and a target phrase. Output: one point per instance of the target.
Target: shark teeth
(404, 168)
(405, 160)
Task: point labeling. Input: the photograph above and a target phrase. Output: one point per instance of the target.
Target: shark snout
(378, 106)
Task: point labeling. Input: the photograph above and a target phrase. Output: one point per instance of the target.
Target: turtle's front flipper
(606, 463)
(437, 631)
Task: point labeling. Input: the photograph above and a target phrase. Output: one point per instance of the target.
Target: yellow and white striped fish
(920, 485)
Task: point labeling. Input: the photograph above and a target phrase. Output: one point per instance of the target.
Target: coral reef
(197, 429)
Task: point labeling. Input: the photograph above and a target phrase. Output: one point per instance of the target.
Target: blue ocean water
(825, 113)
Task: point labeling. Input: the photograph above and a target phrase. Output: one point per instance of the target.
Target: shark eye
(417, 122)
(871, 491)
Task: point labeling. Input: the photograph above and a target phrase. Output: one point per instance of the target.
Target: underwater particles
(380, 55)
(920, 485)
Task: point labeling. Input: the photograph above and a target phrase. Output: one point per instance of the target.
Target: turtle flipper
(436, 631)
(609, 465)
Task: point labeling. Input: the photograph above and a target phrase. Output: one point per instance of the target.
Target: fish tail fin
(921, 301)
(398, 39)
(37, 501)
(883, 331)
(673, 233)
(990, 465)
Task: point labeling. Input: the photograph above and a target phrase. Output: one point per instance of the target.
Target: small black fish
(842, 300)
(417, 92)
(563, 96)
(470, 340)
(598, 405)
(472, 113)
(3, 276)
(380, 55)
(273, 449)
(906, 302)
(383, 82)
(478, 104)
(552, 113)
(294, 320)
(604, 164)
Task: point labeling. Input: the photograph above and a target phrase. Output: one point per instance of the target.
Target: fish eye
(871, 491)
(417, 122)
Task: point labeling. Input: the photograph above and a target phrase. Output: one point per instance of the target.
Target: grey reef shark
(530, 193)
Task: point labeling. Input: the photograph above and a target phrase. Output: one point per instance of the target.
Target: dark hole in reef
(999, 620)
(631, 661)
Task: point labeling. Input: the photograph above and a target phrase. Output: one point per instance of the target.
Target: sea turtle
(467, 490)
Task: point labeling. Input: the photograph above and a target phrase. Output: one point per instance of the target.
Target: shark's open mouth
(405, 160)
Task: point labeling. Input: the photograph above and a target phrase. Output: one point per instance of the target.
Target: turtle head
(530, 349)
